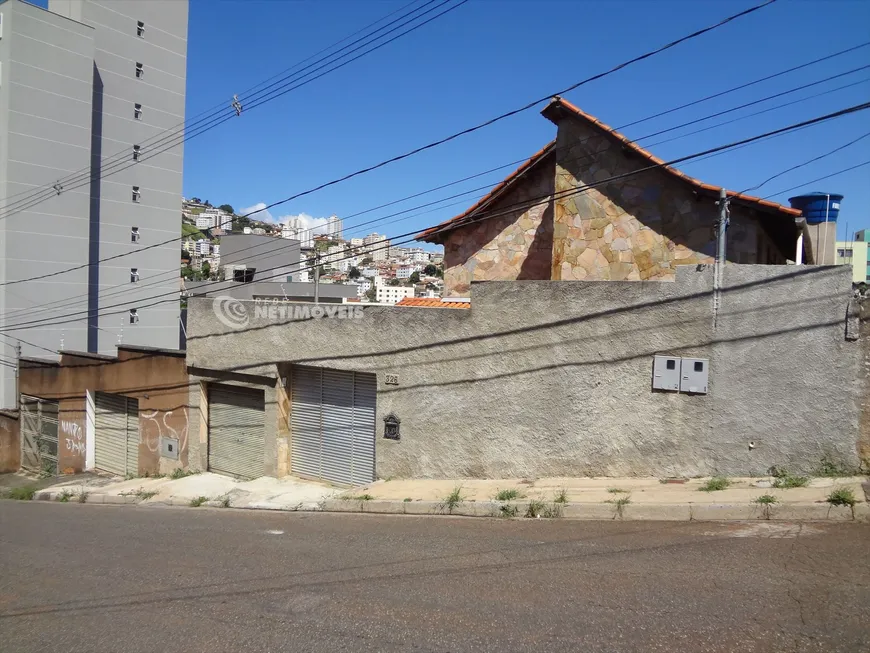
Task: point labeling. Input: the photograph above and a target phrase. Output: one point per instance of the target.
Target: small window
(134, 316)
(671, 364)
(140, 70)
(134, 275)
(134, 234)
(140, 29)
(699, 366)
(136, 194)
(135, 152)
(137, 112)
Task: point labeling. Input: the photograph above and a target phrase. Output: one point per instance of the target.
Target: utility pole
(719, 267)
(316, 278)
(18, 376)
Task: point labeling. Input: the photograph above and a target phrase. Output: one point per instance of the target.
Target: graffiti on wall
(150, 437)
(73, 436)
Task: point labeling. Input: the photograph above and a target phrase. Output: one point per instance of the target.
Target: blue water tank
(818, 207)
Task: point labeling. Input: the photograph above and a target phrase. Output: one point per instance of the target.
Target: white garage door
(236, 431)
(333, 425)
(116, 433)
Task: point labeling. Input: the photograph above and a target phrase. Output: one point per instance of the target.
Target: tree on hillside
(226, 208)
(394, 282)
(354, 273)
(415, 277)
(366, 260)
(239, 223)
(206, 270)
(372, 294)
(430, 270)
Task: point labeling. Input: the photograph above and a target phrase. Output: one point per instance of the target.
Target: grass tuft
(765, 499)
(561, 496)
(508, 495)
(830, 469)
(452, 500)
(181, 473)
(65, 496)
(83, 496)
(535, 509)
(407, 499)
(842, 496)
(25, 493)
(784, 481)
(715, 484)
(508, 511)
(198, 501)
(617, 490)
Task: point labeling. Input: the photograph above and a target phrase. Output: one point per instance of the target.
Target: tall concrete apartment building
(87, 88)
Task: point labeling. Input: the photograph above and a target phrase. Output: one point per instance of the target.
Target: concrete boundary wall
(553, 378)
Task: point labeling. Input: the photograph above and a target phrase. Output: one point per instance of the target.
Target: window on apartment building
(134, 275)
(136, 194)
(134, 234)
(140, 70)
(137, 112)
(136, 152)
(140, 28)
(134, 315)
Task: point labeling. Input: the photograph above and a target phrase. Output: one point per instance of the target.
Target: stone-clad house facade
(556, 218)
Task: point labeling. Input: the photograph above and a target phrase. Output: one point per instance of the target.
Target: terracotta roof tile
(431, 302)
(551, 111)
(432, 235)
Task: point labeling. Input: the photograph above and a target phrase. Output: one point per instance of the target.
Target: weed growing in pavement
(617, 490)
(225, 501)
(842, 496)
(714, 484)
(65, 496)
(82, 497)
(181, 473)
(552, 511)
(830, 469)
(508, 511)
(129, 476)
(508, 495)
(198, 501)
(535, 509)
(561, 496)
(452, 500)
(407, 499)
(784, 481)
(140, 493)
(766, 501)
(620, 503)
(25, 493)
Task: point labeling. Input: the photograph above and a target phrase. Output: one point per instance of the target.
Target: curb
(496, 509)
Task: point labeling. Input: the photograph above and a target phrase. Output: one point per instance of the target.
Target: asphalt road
(113, 578)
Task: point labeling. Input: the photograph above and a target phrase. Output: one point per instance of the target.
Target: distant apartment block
(85, 87)
(856, 253)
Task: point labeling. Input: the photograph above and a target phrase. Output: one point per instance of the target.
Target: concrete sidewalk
(571, 498)
(608, 498)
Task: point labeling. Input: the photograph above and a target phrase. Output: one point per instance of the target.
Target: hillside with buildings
(375, 270)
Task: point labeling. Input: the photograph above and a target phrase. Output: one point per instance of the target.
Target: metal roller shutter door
(116, 441)
(333, 425)
(236, 433)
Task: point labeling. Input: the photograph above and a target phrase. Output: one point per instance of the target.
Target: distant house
(556, 217)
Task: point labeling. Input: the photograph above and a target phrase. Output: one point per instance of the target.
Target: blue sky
(489, 56)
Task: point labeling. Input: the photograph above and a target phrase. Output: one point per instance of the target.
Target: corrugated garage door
(116, 433)
(333, 425)
(236, 431)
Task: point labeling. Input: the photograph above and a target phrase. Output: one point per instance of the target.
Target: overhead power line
(183, 135)
(225, 108)
(469, 130)
(490, 215)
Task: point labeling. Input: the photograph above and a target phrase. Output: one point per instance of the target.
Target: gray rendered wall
(273, 258)
(550, 378)
(45, 120)
(161, 92)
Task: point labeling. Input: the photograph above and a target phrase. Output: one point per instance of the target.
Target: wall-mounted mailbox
(693, 375)
(169, 448)
(666, 373)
